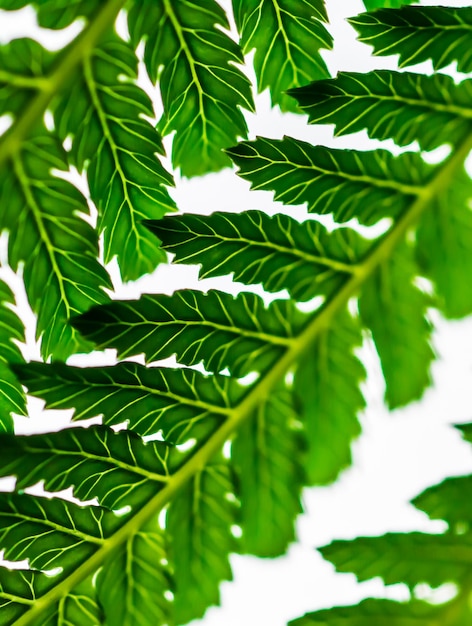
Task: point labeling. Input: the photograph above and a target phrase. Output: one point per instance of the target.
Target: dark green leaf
(278, 252)
(346, 183)
(215, 329)
(416, 34)
(449, 501)
(287, 36)
(326, 387)
(20, 589)
(268, 455)
(406, 107)
(370, 5)
(55, 14)
(394, 310)
(201, 86)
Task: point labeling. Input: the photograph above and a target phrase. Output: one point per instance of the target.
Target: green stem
(262, 388)
(60, 76)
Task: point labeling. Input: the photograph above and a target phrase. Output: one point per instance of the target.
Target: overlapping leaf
(443, 247)
(394, 309)
(62, 275)
(346, 183)
(103, 113)
(412, 558)
(278, 252)
(287, 37)
(215, 328)
(201, 86)
(198, 524)
(326, 386)
(12, 397)
(182, 402)
(268, 455)
(406, 107)
(116, 468)
(416, 34)
(79, 606)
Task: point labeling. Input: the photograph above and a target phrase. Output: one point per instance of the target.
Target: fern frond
(201, 86)
(287, 37)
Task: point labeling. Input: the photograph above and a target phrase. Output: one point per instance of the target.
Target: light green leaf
(131, 584)
(416, 34)
(370, 5)
(326, 387)
(180, 402)
(268, 455)
(215, 329)
(404, 106)
(287, 36)
(409, 558)
(115, 144)
(198, 525)
(374, 611)
(278, 252)
(118, 469)
(79, 606)
(443, 247)
(346, 183)
(62, 275)
(394, 309)
(447, 501)
(201, 86)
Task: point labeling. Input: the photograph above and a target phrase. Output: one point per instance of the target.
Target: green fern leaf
(443, 249)
(267, 455)
(277, 252)
(416, 34)
(373, 611)
(406, 107)
(131, 585)
(12, 397)
(410, 558)
(344, 183)
(394, 310)
(198, 524)
(287, 37)
(27, 522)
(19, 589)
(201, 87)
(446, 501)
(216, 329)
(182, 403)
(326, 386)
(116, 468)
(118, 147)
(62, 275)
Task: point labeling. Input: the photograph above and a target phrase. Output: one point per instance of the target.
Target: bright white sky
(399, 453)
